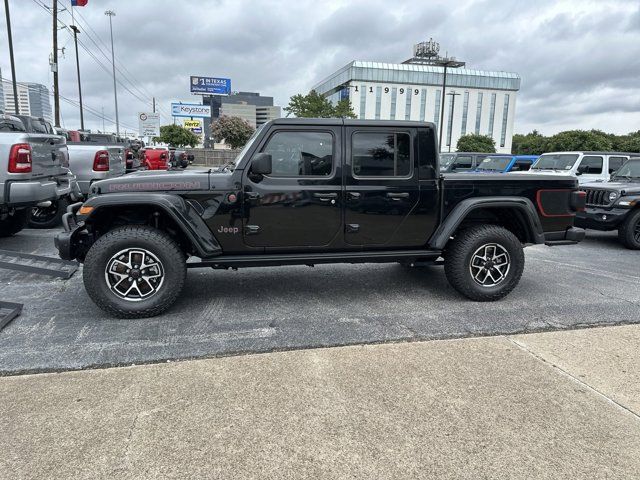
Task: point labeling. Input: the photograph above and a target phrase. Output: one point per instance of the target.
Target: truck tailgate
(49, 155)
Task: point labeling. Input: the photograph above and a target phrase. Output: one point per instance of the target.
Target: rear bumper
(601, 218)
(25, 193)
(570, 236)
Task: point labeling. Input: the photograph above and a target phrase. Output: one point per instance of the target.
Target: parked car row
(44, 169)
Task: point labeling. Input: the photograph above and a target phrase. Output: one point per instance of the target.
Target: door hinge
(251, 229)
(352, 228)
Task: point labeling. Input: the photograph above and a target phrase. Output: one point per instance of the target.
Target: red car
(154, 158)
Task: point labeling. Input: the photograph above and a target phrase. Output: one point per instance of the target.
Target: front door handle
(325, 196)
(397, 196)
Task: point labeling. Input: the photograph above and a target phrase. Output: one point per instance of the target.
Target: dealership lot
(267, 309)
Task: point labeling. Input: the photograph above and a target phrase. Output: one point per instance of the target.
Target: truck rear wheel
(49, 217)
(14, 222)
(134, 272)
(484, 263)
(629, 231)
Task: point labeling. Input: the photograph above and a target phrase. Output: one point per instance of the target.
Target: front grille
(597, 197)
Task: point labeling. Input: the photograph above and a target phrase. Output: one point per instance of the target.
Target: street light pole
(13, 65)
(76, 30)
(54, 66)
(110, 14)
(453, 103)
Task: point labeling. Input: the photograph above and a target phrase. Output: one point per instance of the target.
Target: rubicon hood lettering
(143, 186)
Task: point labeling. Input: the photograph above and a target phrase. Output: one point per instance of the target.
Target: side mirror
(261, 164)
(582, 169)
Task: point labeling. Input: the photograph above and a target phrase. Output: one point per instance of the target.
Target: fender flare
(179, 210)
(523, 205)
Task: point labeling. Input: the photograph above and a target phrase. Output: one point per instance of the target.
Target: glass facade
(436, 113)
(394, 98)
(492, 114)
(505, 115)
(378, 102)
(363, 100)
(412, 74)
(478, 113)
(450, 122)
(465, 113)
(423, 104)
(407, 111)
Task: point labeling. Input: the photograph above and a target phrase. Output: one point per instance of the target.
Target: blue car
(506, 163)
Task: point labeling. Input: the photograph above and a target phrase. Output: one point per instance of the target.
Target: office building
(477, 101)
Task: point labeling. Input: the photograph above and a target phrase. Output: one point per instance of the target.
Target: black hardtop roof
(349, 122)
(479, 153)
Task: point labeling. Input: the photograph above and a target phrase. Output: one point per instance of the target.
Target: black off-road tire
(629, 231)
(49, 217)
(154, 241)
(14, 222)
(461, 249)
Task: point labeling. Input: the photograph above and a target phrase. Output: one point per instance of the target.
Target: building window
(423, 104)
(363, 101)
(298, 154)
(465, 113)
(378, 102)
(492, 114)
(478, 113)
(436, 113)
(450, 121)
(394, 97)
(505, 115)
(381, 154)
(407, 110)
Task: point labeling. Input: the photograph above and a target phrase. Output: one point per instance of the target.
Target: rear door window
(615, 163)
(381, 154)
(592, 164)
(521, 166)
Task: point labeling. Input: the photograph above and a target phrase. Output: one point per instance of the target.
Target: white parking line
(605, 273)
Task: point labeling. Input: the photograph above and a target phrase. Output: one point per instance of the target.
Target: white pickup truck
(33, 171)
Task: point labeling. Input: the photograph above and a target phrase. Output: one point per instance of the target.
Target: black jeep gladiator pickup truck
(312, 191)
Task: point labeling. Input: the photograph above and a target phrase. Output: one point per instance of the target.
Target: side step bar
(25, 262)
(8, 311)
(274, 259)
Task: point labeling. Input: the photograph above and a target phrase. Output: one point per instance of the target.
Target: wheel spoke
(490, 265)
(134, 274)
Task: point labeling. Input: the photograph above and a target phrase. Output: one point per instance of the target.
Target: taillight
(101, 161)
(20, 158)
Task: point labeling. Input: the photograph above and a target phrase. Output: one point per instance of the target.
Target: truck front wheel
(484, 263)
(134, 272)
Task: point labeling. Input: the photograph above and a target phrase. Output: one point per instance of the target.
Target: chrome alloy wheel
(134, 274)
(490, 265)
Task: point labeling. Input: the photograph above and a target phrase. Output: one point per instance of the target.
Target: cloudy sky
(579, 60)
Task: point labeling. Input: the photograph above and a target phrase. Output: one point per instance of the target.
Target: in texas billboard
(210, 85)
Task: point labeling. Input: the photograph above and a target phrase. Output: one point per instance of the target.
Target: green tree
(343, 109)
(177, 136)
(233, 130)
(580, 140)
(476, 143)
(628, 143)
(533, 143)
(314, 105)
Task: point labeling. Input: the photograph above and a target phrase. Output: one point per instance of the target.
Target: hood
(163, 181)
(626, 188)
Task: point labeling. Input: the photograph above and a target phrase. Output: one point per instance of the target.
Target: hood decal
(155, 186)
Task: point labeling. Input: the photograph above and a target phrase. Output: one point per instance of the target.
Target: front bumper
(26, 193)
(72, 242)
(601, 218)
(570, 236)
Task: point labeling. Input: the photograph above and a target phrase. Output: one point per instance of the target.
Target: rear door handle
(353, 195)
(252, 195)
(397, 196)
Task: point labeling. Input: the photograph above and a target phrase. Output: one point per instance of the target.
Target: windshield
(494, 163)
(552, 161)
(631, 169)
(446, 160)
(248, 145)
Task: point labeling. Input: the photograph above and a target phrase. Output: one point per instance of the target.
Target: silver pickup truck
(33, 171)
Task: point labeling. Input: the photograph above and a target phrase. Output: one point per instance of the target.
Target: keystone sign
(148, 124)
(190, 110)
(210, 85)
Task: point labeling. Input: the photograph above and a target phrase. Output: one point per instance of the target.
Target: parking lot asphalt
(267, 309)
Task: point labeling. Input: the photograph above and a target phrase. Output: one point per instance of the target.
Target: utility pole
(450, 128)
(13, 66)
(154, 104)
(111, 13)
(54, 66)
(76, 30)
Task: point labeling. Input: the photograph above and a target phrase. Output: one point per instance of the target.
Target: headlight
(613, 196)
